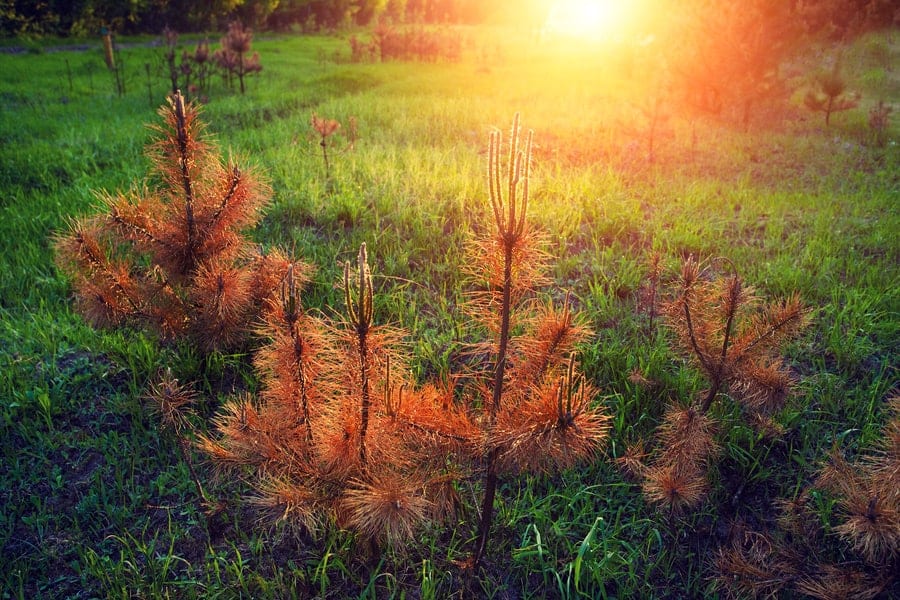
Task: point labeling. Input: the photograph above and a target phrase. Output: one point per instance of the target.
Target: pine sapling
(648, 298)
(539, 412)
(867, 518)
(233, 55)
(324, 128)
(173, 402)
(869, 496)
(172, 258)
(829, 94)
(170, 38)
(337, 434)
(341, 435)
(720, 325)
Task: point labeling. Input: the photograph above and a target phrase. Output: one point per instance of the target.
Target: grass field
(94, 498)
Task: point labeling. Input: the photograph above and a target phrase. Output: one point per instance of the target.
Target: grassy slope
(93, 499)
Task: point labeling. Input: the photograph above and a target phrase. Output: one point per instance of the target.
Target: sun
(589, 19)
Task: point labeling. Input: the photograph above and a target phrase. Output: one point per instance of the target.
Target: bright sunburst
(589, 19)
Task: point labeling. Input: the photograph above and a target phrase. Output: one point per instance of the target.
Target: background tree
(731, 55)
(829, 94)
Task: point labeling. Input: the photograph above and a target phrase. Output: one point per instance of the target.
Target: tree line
(87, 17)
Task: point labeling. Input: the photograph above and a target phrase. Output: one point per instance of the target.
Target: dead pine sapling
(863, 500)
(648, 295)
(324, 129)
(537, 409)
(868, 493)
(172, 259)
(170, 38)
(734, 340)
(233, 56)
(173, 403)
(359, 316)
(200, 58)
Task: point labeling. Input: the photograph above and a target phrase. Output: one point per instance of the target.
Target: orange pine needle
(676, 487)
(386, 507)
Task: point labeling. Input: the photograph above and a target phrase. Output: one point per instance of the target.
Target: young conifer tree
(538, 410)
(233, 57)
(339, 435)
(733, 339)
(170, 255)
(868, 495)
(829, 94)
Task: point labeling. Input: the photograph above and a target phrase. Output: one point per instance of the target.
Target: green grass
(94, 500)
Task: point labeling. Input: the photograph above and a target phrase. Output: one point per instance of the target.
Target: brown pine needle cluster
(323, 126)
(755, 565)
(388, 507)
(676, 478)
(842, 582)
(869, 496)
(552, 429)
(867, 519)
(338, 435)
(733, 338)
(172, 258)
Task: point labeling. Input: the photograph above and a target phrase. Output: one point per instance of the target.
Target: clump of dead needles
(867, 519)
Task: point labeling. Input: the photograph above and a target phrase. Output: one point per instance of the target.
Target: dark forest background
(86, 17)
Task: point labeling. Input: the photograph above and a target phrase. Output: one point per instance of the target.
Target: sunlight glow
(598, 20)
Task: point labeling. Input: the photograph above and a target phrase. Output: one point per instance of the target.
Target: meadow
(95, 500)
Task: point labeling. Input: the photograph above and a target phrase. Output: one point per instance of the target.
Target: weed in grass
(879, 122)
